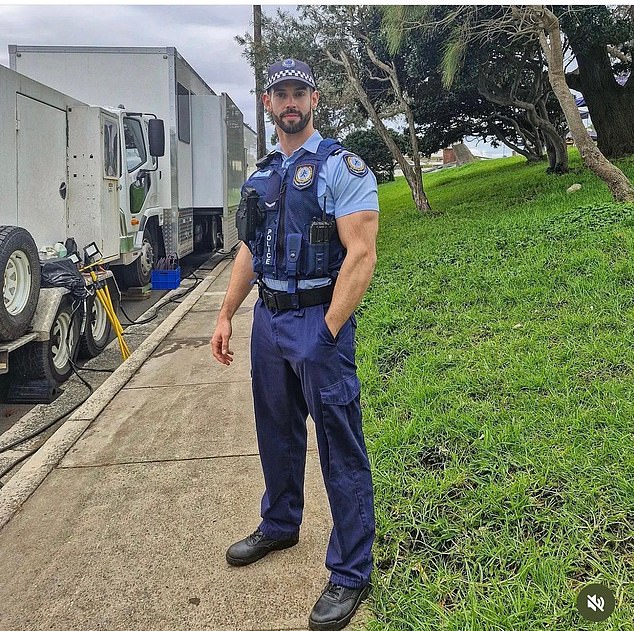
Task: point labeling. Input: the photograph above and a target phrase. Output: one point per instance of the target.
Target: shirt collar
(312, 144)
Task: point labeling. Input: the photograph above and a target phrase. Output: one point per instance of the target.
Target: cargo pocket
(340, 408)
(341, 393)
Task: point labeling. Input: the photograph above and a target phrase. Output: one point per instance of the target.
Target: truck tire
(98, 328)
(20, 268)
(139, 273)
(51, 360)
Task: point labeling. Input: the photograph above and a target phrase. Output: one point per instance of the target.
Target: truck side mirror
(156, 133)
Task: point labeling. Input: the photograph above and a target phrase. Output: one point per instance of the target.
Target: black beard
(292, 127)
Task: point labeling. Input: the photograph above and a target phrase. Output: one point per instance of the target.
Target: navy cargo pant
(299, 368)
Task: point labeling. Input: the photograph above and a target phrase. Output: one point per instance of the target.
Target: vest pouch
(316, 259)
(248, 215)
(257, 250)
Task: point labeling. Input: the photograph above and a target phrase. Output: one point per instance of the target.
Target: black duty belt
(282, 300)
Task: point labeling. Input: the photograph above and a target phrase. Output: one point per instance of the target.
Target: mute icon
(596, 602)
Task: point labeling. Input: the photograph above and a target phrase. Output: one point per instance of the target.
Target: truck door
(41, 172)
(139, 181)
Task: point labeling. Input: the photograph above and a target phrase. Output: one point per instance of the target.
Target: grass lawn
(495, 346)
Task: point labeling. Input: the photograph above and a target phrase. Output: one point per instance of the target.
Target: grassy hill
(495, 349)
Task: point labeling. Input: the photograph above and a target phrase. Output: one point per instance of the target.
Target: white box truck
(64, 186)
(204, 166)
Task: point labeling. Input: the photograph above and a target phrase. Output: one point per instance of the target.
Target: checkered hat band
(292, 74)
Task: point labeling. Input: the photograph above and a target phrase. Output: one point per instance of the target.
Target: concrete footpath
(139, 494)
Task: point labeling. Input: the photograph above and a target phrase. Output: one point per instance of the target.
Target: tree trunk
(611, 106)
(413, 175)
(557, 152)
(550, 40)
(555, 144)
(528, 151)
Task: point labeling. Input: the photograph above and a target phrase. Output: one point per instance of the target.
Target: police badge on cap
(290, 69)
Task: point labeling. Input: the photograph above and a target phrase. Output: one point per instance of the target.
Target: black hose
(175, 299)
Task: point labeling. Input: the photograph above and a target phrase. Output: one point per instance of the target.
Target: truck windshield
(135, 152)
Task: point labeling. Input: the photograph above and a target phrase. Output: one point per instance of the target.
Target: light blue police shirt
(345, 194)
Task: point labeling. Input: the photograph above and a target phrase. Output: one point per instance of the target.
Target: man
(312, 251)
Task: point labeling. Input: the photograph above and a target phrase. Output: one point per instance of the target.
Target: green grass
(495, 349)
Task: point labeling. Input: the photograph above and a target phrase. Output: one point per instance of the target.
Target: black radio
(320, 232)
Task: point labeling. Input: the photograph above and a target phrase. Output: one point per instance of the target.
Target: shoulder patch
(355, 165)
(304, 176)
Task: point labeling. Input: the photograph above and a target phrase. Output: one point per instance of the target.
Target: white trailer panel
(110, 77)
(157, 80)
(41, 171)
(209, 172)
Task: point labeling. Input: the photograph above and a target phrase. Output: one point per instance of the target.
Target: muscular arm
(357, 233)
(240, 284)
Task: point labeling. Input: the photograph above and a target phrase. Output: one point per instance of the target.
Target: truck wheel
(98, 327)
(20, 268)
(51, 360)
(139, 273)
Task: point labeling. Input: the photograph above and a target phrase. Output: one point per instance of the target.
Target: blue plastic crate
(166, 278)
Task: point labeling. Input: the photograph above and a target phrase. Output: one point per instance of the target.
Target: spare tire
(20, 269)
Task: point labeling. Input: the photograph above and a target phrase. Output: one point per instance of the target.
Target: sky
(203, 35)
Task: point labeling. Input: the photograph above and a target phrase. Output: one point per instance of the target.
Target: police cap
(289, 69)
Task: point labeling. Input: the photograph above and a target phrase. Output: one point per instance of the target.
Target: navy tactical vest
(282, 248)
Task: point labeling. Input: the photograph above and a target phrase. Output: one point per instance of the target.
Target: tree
(343, 37)
(346, 38)
(549, 33)
(287, 35)
(520, 81)
(369, 145)
(467, 26)
(602, 38)
(516, 104)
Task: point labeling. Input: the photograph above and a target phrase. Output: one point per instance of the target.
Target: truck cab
(141, 215)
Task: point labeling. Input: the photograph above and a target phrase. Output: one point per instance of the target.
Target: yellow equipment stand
(103, 294)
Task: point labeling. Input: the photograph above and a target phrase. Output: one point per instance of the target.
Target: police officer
(309, 218)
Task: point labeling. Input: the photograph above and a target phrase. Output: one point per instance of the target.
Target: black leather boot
(336, 606)
(255, 547)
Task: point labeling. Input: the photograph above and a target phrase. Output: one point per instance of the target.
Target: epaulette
(266, 160)
(329, 147)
